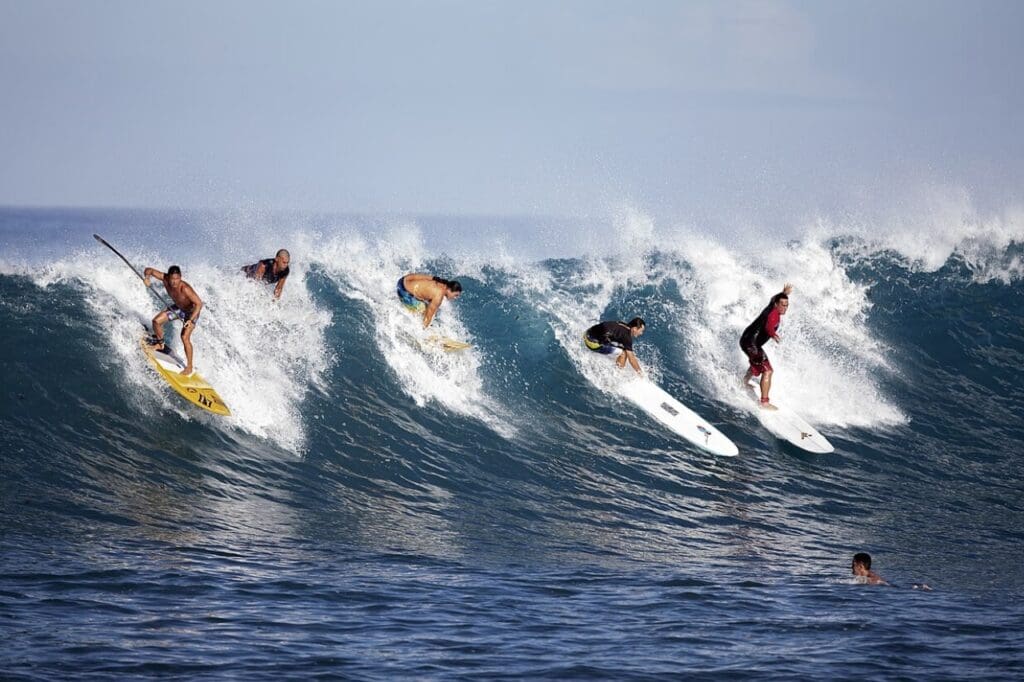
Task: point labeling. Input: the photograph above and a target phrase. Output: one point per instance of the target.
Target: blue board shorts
(407, 299)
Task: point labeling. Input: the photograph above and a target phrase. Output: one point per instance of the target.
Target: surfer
(271, 270)
(426, 293)
(861, 568)
(187, 306)
(609, 336)
(765, 327)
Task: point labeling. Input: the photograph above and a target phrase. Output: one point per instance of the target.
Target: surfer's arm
(633, 362)
(771, 326)
(279, 288)
(151, 272)
(428, 316)
(197, 305)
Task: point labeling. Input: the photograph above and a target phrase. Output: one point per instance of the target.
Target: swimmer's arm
(279, 288)
(151, 272)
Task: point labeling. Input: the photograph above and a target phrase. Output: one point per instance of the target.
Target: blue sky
(560, 108)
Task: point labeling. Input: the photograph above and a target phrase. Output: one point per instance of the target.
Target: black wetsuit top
(268, 271)
(756, 334)
(612, 334)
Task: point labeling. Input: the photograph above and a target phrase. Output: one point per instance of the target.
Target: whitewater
(372, 509)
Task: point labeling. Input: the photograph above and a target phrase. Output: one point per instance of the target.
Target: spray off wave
(838, 361)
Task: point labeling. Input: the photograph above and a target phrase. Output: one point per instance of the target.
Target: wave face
(372, 509)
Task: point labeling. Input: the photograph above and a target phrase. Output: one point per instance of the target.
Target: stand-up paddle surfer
(187, 306)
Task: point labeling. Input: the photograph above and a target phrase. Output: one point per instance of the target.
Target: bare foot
(158, 345)
(187, 371)
(768, 406)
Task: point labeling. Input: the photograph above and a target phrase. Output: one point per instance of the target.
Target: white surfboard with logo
(786, 424)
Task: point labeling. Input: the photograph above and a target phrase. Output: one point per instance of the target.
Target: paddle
(163, 301)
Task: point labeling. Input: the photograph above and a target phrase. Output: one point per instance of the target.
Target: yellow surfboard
(192, 388)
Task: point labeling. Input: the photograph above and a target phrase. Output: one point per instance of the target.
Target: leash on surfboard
(163, 301)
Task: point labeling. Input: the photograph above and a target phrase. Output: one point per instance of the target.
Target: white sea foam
(933, 225)
(263, 357)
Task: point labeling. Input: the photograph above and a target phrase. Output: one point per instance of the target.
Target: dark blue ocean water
(373, 511)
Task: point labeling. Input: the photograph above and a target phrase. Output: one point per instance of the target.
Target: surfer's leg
(186, 341)
(766, 386)
(754, 367)
(158, 330)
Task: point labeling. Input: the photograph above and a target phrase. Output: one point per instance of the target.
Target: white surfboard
(683, 421)
(786, 424)
(680, 419)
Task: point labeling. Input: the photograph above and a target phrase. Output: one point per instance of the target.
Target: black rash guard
(757, 334)
(268, 271)
(612, 334)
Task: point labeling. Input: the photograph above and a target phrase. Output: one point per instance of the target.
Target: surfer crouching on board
(426, 293)
(752, 341)
(609, 336)
(271, 270)
(187, 306)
